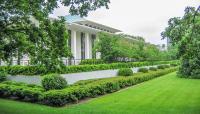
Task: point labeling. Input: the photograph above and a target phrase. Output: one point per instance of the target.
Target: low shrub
(37, 70)
(153, 68)
(173, 64)
(97, 87)
(53, 81)
(125, 72)
(3, 75)
(167, 66)
(161, 67)
(75, 92)
(92, 62)
(144, 70)
(21, 91)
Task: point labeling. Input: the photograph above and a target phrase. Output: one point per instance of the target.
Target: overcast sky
(146, 18)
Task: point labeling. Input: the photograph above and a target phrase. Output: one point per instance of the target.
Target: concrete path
(73, 77)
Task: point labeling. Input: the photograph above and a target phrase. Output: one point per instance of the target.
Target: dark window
(82, 45)
(70, 45)
(69, 39)
(93, 41)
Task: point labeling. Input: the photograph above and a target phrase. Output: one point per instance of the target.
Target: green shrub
(161, 67)
(74, 93)
(125, 72)
(97, 87)
(53, 81)
(21, 91)
(3, 75)
(92, 62)
(173, 64)
(167, 66)
(153, 68)
(144, 70)
(37, 70)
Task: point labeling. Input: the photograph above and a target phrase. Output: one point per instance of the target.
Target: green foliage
(26, 30)
(184, 32)
(24, 70)
(153, 68)
(120, 47)
(37, 70)
(3, 75)
(144, 70)
(75, 92)
(51, 44)
(163, 66)
(53, 81)
(125, 72)
(107, 45)
(21, 91)
(92, 61)
(97, 87)
(173, 64)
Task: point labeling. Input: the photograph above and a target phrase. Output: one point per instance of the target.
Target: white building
(83, 34)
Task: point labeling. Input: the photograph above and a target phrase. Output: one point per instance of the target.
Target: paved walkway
(73, 77)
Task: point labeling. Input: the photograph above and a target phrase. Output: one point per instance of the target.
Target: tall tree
(184, 31)
(26, 29)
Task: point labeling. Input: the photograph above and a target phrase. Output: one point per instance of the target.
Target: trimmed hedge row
(21, 91)
(77, 91)
(92, 62)
(97, 87)
(24, 70)
(36, 70)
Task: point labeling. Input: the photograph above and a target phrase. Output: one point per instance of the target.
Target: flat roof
(81, 21)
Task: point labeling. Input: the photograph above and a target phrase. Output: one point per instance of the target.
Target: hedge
(36, 70)
(153, 68)
(76, 92)
(92, 62)
(53, 81)
(144, 70)
(97, 87)
(125, 72)
(21, 91)
(3, 76)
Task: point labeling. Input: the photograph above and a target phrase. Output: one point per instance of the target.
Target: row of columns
(74, 44)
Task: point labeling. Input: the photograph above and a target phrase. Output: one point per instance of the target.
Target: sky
(146, 18)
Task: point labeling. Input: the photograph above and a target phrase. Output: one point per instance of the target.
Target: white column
(87, 46)
(73, 44)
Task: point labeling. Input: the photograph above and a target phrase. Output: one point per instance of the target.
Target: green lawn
(164, 95)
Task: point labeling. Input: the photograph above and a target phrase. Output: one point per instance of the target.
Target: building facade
(82, 35)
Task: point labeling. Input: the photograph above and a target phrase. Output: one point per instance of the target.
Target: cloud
(146, 18)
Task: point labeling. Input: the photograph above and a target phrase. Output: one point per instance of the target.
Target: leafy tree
(184, 31)
(26, 29)
(115, 47)
(107, 45)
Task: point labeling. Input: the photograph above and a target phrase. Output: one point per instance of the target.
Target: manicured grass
(164, 95)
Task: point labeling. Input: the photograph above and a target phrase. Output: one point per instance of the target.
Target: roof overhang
(77, 20)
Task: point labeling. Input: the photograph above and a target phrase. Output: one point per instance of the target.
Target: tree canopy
(25, 29)
(184, 32)
(116, 47)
